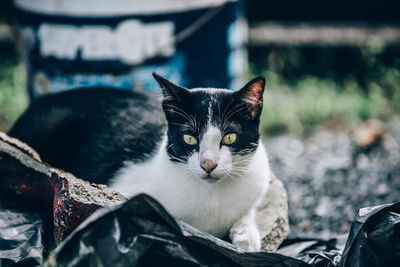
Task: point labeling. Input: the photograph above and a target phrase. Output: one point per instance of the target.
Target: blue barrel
(72, 43)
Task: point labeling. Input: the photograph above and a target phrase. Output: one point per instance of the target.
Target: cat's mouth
(210, 179)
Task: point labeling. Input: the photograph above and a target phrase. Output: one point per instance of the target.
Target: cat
(198, 153)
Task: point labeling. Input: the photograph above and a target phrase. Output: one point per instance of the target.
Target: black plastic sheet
(140, 232)
(316, 252)
(21, 238)
(374, 238)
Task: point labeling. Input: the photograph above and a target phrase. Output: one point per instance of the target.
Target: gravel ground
(329, 177)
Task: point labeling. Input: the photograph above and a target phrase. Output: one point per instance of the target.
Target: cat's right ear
(171, 91)
(252, 95)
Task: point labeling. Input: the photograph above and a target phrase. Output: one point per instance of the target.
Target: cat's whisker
(226, 108)
(239, 172)
(240, 169)
(183, 113)
(244, 152)
(177, 160)
(169, 146)
(180, 113)
(236, 111)
(192, 118)
(244, 163)
(241, 165)
(235, 107)
(233, 110)
(243, 158)
(219, 114)
(193, 126)
(195, 122)
(227, 175)
(186, 171)
(182, 125)
(233, 174)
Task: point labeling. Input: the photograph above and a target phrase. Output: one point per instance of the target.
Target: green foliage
(13, 94)
(315, 86)
(312, 102)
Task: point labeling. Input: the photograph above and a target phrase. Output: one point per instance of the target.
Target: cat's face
(212, 133)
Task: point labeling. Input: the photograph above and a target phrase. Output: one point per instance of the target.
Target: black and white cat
(202, 160)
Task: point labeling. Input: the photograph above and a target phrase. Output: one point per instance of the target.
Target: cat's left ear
(171, 91)
(252, 95)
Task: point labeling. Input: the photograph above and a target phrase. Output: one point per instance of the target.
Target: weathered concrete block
(29, 183)
(272, 216)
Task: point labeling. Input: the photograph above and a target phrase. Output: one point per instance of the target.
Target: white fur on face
(211, 149)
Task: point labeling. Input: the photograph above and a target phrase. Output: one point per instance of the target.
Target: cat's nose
(208, 165)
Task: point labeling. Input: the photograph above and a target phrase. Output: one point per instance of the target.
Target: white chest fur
(210, 207)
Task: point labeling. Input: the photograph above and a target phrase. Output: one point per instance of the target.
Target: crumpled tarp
(140, 232)
(21, 238)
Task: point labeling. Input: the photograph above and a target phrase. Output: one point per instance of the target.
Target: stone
(27, 182)
(272, 216)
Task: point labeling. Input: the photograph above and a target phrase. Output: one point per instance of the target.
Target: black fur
(92, 132)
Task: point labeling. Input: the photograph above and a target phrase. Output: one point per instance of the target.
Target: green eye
(190, 140)
(229, 139)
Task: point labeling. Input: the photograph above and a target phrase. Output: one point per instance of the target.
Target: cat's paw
(245, 237)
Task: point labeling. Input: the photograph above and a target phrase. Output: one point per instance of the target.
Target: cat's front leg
(244, 233)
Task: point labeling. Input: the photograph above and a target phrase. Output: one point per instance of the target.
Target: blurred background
(331, 119)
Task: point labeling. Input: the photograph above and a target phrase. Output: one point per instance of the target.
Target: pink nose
(208, 165)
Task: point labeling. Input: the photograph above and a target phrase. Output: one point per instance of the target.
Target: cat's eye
(190, 140)
(229, 139)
